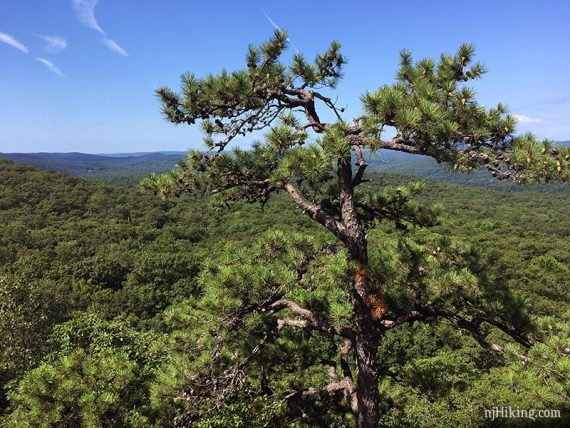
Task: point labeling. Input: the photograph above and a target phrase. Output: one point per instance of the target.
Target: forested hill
(96, 282)
(101, 167)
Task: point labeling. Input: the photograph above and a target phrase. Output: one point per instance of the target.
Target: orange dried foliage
(378, 304)
(374, 298)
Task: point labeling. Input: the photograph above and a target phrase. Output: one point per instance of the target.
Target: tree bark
(368, 305)
(365, 351)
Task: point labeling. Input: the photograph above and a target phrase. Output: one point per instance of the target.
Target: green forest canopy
(96, 278)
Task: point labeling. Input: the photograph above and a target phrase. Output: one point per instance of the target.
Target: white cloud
(85, 11)
(521, 118)
(54, 44)
(114, 46)
(10, 40)
(51, 66)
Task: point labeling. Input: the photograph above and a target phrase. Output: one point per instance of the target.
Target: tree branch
(412, 316)
(361, 163)
(344, 351)
(328, 102)
(346, 385)
(398, 143)
(327, 390)
(473, 328)
(309, 320)
(220, 388)
(462, 323)
(518, 337)
(459, 322)
(316, 212)
(244, 182)
(401, 145)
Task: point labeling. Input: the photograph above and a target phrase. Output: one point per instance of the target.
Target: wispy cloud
(54, 44)
(85, 11)
(51, 66)
(274, 24)
(10, 40)
(521, 118)
(114, 46)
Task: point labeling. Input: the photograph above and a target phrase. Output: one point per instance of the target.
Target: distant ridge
(128, 168)
(138, 154)
(83, 164)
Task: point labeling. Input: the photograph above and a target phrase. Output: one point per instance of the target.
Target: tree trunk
(365, 352)
(368, 305)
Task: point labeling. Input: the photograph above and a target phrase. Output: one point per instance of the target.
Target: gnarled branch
(329, 389)
(309, 320)
(361, 163)
(316, 212)
(462, 323)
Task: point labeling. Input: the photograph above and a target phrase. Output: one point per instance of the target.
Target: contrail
(85, 10)
(9, 40)
(272, 22)
(51, 66)
(114, 46)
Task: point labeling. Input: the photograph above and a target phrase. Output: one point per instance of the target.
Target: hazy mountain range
(138, 164)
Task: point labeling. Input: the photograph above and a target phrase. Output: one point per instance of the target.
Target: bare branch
(329, 389)
(401, 145)
(412, 316)
(220, 388)
(398, 143)
(329, 103)
(244, 182)
(462, 323)
(316, 212)
(361, 163)
(309, 320)
(344, 351)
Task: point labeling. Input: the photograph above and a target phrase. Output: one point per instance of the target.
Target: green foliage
(396, 204)
(437, 115)
(52, 285)
(78, 390)
(211, 336)
(222, 102)
(28, 310)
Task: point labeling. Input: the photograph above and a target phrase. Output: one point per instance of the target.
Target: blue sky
(79, 75)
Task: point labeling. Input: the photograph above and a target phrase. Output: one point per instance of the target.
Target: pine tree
(432, 113)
